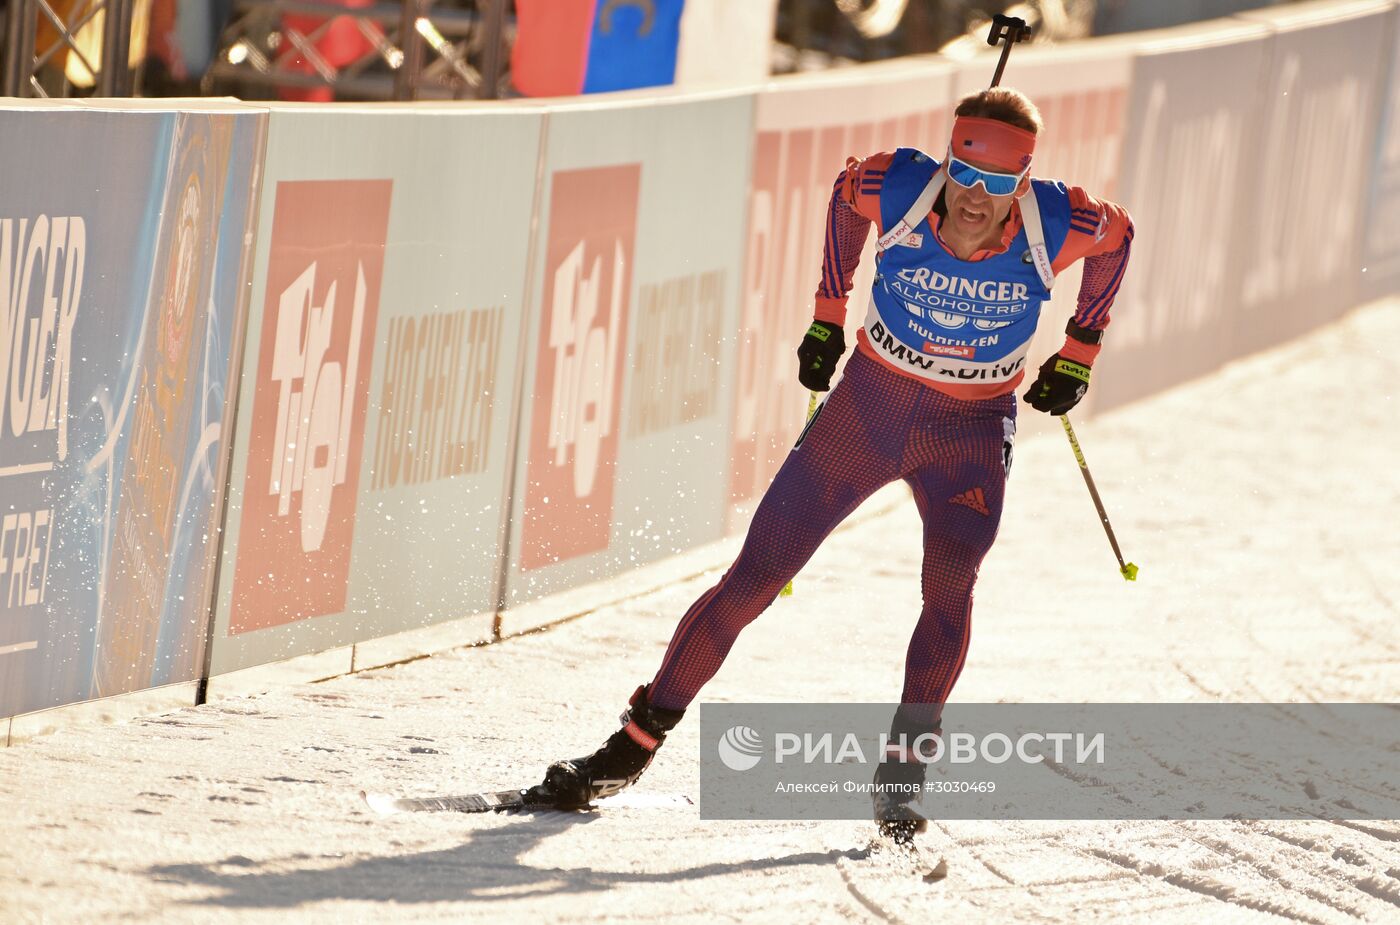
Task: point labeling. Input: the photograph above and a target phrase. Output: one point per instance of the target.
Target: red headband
(992, 142)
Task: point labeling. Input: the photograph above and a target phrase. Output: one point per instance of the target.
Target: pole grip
(1010, 29)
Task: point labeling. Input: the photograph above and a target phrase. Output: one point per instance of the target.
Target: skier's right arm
(855, 203)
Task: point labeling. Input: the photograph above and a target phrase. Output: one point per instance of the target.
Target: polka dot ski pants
(876, 426)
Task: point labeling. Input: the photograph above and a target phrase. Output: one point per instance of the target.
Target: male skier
(968, 250)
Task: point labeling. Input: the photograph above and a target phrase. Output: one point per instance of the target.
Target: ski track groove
(897, 869)
(979, 858)
(1378, 834)
(1086, 880)
(1279, 877)
(1196, 682)
(1212, 889)
(1272, 873)
(1326, 732)
(859, 895)
(1377, 590)
(1342, 615)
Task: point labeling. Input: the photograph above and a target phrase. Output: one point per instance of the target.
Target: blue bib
(951, 320)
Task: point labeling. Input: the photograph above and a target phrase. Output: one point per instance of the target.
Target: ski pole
(811, 410)
(1126, 569)
(1011, 29)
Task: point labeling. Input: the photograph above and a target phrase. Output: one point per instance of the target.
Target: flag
(564, 47)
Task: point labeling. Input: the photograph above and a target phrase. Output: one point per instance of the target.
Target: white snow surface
(1261, 503)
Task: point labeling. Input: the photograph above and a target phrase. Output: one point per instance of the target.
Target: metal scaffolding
(26, 73)
(406, 50)
(413, 50)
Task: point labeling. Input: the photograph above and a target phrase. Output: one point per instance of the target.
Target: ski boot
(575, 783)
(899, 781)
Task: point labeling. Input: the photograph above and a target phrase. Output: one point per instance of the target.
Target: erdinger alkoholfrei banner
(123, 282)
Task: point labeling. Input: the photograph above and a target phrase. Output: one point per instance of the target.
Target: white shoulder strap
(917, 213)
(1035, 236)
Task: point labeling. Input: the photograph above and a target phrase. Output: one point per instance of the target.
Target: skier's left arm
(1100, 234)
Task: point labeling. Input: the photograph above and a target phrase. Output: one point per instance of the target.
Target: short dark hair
(1005, 104)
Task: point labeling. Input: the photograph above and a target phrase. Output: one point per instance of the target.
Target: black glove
(817, 356)
(1059, 386)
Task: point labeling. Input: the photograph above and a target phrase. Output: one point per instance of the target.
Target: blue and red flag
(564, 47)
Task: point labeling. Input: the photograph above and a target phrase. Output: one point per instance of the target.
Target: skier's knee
(765, 569)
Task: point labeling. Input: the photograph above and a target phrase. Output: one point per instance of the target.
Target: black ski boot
(574, 783)
(899, 781)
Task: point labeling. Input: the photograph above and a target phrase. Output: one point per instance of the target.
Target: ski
(501, 801)
(498, 801)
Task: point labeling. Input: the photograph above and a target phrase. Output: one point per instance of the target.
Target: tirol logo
(950, 350)
(740, 748)
(325, 264)
(578, 374)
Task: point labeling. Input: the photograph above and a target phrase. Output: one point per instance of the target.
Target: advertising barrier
(1298, 263)
(1380, 247)
(369, 473)
(1192, 121)
(123, 266)
(312, 382)
(630, 347)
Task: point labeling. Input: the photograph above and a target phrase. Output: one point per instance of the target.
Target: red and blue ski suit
(928, 396)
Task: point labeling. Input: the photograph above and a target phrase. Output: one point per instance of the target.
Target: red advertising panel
(578, 370)
(325, 263)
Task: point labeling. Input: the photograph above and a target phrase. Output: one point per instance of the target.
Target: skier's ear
(1024, 186)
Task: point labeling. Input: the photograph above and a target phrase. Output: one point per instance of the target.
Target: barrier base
(115, 709)
(405, 646)
(303, 669)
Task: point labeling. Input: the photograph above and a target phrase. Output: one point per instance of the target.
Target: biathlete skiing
(969, 245)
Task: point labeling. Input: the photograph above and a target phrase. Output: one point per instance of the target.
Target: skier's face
(972, 212)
